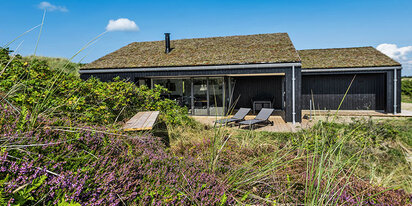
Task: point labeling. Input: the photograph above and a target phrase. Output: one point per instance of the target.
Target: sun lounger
(261, 118)
(239, 116)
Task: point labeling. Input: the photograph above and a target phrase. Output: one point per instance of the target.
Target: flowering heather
(51, 164)
(56, 163)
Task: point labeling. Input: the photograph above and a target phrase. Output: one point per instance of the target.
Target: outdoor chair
(239, 116)
(261, 118)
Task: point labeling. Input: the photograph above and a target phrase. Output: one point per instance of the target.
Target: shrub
(52, 165)
(57, 64)
(407, 87)
(45, 91)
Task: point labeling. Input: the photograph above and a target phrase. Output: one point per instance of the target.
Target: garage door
(366, 93)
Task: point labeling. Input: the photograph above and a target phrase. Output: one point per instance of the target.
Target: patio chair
(261, 118)
(239, 116)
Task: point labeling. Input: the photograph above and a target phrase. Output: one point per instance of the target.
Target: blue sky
(69, 25)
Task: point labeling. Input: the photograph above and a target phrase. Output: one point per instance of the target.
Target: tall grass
(58, 64)
(310, 168)
(330, 172)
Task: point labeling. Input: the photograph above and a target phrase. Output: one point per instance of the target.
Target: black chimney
(167, 41)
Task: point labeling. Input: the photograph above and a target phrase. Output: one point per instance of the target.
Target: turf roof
(259, 48)
(345, 58)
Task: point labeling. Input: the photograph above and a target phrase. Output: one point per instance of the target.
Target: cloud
(401, 54)
(395, 52)
(50, 7)
(122, 24)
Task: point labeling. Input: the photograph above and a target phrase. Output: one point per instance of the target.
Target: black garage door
(366, 93)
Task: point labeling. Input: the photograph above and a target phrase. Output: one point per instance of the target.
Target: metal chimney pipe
(167, 41)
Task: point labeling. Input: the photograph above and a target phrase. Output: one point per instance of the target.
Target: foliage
(58, 64)
(52, 152)
(407, 90)
(55, 164)
(33, 85)
(329, 164)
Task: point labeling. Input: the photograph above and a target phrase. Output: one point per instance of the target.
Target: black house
(211, 76)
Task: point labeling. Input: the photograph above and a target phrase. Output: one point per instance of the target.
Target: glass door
(216, 96)
(200, 96)
(179, 90)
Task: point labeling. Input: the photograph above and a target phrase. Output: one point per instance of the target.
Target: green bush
(50, 92)
(58, 64)
(407, 87)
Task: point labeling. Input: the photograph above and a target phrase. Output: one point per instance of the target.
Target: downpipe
(395, 82)
(293, 96)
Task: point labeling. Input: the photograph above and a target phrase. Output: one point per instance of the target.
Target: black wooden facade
(248, 89)
(265, 78)
(372, 88)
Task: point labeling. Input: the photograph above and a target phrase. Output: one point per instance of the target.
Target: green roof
(249, 49)
(345, 58)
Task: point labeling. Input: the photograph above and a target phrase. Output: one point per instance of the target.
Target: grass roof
(345, 58)
(259, 48)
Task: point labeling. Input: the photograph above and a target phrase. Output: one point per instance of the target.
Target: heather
(56, 163)
(361, 163)
(61, 143)
(61, 161)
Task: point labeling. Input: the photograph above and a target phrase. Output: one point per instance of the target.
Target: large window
(202, 96)
(200, 91)
(216, 96)
(179, 90)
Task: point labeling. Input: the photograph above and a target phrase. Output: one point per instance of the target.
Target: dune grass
(361, 163)
(336, 156)
(58, 64)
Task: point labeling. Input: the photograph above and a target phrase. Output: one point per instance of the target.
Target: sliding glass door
(216, 96)
(179, 91)
(202, 96)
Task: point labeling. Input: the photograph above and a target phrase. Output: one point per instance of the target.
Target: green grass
(59, 64)
(311, 167)
(338, 155)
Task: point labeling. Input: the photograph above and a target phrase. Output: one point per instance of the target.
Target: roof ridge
(345, 57)
(337, 48)
(211, 37)
(224, 50)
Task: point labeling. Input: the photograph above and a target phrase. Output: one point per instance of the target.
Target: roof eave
(186, 68)
(377, 68)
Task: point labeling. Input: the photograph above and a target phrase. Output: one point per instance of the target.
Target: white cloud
(401, 54)
(395, 52)
(122, 24)
(50, 7)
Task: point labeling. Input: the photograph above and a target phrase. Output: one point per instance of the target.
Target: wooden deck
(141, 121)
(279, 125)
(344, 116)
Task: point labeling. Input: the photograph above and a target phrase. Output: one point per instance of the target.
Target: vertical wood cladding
(258, 88)
(368, 91)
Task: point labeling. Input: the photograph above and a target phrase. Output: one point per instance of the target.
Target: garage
(327, 74)
(367, 91)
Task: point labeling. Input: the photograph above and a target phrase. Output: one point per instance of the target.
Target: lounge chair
(239, 116)
(261, 118)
